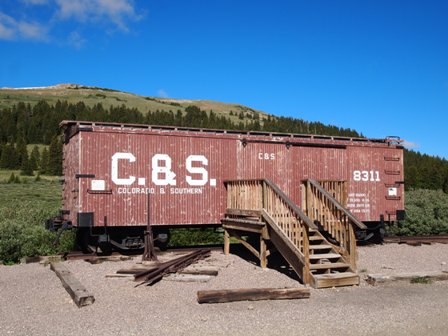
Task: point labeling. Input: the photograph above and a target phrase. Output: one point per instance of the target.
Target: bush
(426, 212)
(23, 211)
(192, 237)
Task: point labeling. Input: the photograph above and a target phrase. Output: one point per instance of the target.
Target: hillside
(32, 116)
(90, 96)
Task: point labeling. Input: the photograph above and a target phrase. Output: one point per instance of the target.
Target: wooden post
(226, 242)
(149, 253)
(306, 252)
(352, 240)
(263, 253)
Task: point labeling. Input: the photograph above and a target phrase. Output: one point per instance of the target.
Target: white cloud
(7, 27)
(111, 15)
(12, 29)
(162, 93)
(116, 11)
(410, 145)
(76, 40)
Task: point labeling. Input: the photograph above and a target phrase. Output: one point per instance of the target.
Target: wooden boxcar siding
(70, 188)
(385, 165)
(228, 158)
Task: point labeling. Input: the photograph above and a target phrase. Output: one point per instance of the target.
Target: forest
(23, 124)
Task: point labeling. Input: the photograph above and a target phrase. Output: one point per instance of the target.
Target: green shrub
(10, 241)
(191, 237)
(24, 209)
(426, 214)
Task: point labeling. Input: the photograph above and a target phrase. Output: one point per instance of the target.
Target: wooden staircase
(327, 266)
(260, 208)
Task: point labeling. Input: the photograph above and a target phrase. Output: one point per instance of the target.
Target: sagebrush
(426, 214)
(23, 211)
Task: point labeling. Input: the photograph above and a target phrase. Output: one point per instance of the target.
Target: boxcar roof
(259, 135)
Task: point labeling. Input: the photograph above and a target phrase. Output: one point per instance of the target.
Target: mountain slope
(73, 93)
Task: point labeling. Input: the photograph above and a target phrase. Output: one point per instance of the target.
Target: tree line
(47, 161)
(39, 124)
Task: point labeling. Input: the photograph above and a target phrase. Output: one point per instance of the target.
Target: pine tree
(44, 161)
(35, 158)
(55, 157)
(22, 153)
(25, 168)
(9, 157)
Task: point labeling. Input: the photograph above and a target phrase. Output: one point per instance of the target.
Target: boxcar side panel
(184, 172)
(183, 176)
(70, 189)
(375, 178)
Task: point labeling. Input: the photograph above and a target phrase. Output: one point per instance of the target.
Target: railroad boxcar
(119, 176)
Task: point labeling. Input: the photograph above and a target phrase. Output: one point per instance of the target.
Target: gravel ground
(33, 301)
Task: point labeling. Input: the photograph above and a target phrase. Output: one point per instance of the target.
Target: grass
(24, 208)
(6, 173)
(92, 95)
(421, 280)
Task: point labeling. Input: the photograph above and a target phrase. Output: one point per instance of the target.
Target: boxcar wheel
(162, 239)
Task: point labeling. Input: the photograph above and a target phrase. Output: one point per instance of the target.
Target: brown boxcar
(110, 169)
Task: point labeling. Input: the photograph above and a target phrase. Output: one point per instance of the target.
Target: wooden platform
(269, 215)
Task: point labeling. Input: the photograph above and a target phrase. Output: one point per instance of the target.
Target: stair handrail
(276, 210)
(345, 237)
(297, 211)
(338, 205)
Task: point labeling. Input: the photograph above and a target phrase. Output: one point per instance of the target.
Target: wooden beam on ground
(77, 291)
(252, 294)
(377, 279)
(213, 271)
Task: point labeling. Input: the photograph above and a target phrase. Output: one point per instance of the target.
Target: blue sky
(380, 67)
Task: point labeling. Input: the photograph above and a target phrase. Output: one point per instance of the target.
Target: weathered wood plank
(188, 277)
(375, 279)
(252, 294)
(242, 224)
(77, 291)
(243, 212)
(226, 242)
(213, 271)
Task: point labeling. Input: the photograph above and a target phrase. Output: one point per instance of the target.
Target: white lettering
(169, 178)
(114, 170)
(197, 170)
(365, 175)
(266, 156)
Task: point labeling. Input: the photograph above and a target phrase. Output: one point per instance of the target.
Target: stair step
(329, 266)
(324, 256)
(340, 275)
(320, 247)
(336, 279)
(316, 238)
(243, 224)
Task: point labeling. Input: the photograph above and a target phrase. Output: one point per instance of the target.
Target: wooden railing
(335, 219)
(288, 224)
